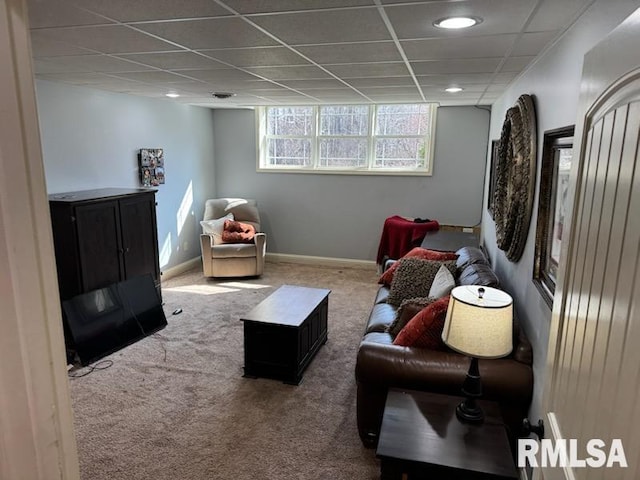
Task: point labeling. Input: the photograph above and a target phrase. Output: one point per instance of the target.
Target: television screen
(106, 320)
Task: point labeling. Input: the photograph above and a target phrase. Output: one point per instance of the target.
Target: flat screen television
(106, 320)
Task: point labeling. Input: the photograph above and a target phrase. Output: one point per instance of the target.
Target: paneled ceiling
(276, 52)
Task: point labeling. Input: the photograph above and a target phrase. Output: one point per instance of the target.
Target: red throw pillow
(387, 277)
(425, 329)
(237, 232)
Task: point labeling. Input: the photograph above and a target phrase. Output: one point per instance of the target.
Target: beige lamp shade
(479, 322)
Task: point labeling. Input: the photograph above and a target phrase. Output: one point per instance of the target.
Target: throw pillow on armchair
(237, 232)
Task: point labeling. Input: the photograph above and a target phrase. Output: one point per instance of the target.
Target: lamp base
(469, 412)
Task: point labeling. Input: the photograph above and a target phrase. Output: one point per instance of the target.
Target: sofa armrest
(386, 365)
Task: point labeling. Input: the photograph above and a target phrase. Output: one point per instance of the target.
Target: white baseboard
(176, 270)
(324, 261)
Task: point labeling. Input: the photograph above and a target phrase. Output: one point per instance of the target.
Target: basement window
(347, 139)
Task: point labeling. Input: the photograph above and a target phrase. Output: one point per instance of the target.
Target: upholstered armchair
(232, 259)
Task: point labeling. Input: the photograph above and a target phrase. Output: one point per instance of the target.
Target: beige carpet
(175, 405)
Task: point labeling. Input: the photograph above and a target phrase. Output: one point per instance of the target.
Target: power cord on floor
(101, 365)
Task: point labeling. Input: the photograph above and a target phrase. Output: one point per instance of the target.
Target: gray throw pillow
(442, 284)
(413, 278)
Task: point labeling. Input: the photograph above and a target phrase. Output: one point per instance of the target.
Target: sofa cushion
(387, 277)
(406, 311)
(413, 278)
(443, 283)
(381, 317)
(424, 330)
(382, 295)
(478, 274)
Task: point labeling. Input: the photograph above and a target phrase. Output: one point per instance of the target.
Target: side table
(421, 437)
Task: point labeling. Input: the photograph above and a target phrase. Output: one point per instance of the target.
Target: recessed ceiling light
(457, 22)
(453, 89)
(172, 95)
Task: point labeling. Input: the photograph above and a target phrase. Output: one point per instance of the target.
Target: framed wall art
(151, 161)
(515, 178)
(557, 151)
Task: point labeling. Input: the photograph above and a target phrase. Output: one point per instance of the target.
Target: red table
(400, 235)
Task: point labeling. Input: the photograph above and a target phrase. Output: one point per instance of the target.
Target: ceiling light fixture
(222, 95)
(172, 95)
(453, 89)
(457, 22)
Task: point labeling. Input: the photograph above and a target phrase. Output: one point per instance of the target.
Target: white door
(593, 390)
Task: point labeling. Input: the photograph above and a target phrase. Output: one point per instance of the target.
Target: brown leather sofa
(381, 365)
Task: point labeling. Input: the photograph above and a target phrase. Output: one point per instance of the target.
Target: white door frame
(37, 440)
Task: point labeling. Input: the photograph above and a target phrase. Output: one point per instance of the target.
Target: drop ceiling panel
(369, 70)
(381, 81)
(396, 98)
(41, 46)
(305, 84)
(352, 52)
(556, 14)
(228, 76)
(472, 65)
(336, 92)
(389, 90)
(175, 60)
(319, 27)
(143, 10)
(106, 39)
(290, 73)
(533, 43)
(516, 64)
(60, 13)
(460, 47)
(455, 79)
(257, 57)
(264, 6)
(77, 78)
(499, 16)
(154, 76)
(210, 33)
(87, 63)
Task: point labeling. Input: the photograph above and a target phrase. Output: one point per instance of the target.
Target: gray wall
(555, 82)
(341, 216)
(90, 139)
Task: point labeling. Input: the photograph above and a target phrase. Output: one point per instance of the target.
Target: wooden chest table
(283, 333)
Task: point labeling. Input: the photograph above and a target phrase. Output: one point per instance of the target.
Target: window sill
(311, 171)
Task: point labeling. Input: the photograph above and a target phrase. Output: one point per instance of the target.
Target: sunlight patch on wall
(185, 208)
(165, 251)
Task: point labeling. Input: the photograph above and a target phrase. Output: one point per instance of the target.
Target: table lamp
(479, 323)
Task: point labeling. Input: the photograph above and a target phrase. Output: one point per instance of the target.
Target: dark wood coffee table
(283, 333)
(421, 437)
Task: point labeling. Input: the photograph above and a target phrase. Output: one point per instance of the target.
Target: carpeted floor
(175, 405)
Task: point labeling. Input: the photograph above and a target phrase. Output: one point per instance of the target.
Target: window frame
(368, 169)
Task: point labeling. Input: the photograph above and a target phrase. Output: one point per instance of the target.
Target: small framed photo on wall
(151, 161)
